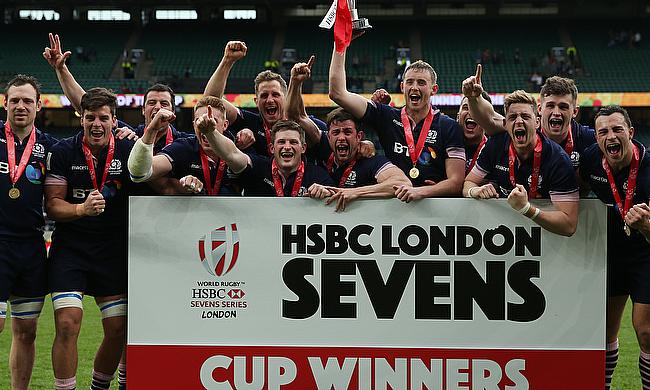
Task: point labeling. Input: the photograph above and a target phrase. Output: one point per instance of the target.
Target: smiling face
(556, 112)
(472, 132)
(270, 101)
(614, 138)
(287, 149)
(418, 87)
(97, 125)
(344, 140)
(22, 104)
(521, 123)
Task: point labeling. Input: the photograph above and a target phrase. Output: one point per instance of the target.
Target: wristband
(79, 210)
(536, 213)
(524, 209)
(469, 192)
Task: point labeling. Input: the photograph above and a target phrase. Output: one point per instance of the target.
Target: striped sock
(611, 358)
(65, 384)
(100, 381)
(121, 376)
(644, 369)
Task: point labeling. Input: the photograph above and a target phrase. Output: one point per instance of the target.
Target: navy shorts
(23, 268)
(94, 266)
(629, 275)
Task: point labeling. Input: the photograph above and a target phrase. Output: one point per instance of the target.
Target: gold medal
(14, 193)
(414, 173)
(627, 230)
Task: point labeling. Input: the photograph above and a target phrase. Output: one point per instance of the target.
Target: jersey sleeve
(58, 163)
(564, 185)
(179, 154)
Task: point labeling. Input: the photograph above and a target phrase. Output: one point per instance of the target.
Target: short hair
(340, 115)
(559, 86)
(213, 101)
(23, 79)
(612, 109)
(519, 96)
(283, 125)
(161, 88)
(423, 66)
(98, 97)
(267, 75)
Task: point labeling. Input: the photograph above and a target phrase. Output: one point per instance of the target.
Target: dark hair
(161, 88)
(283, 125)
(559, 86)
(612, 109)
(340, 115)
(98, 97)
(267, 75)
(23, 79)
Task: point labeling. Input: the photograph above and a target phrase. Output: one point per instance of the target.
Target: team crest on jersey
(38, 150)
(431, 136)
(115, 168)
(539, 181)
(575, 159)
(352, 179)
(219, 250)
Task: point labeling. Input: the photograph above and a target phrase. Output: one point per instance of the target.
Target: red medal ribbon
(277, 181)
(205, 165)
(267, 133)
(568, 147)
(537, 162)
(91, 166)
(169, 138)
(476, 153)
(415, 151)
(16, 172)
(346, 172)
(631, 182)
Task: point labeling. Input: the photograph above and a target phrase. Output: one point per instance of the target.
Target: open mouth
(520, 135)
(555, 123)
(415, 98)
(97, 134)
(470, 124)
(271, 110)
(287, 155)
(613, 150)
(342, 149)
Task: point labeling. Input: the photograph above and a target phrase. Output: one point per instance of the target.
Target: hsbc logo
(219, 250)
(236, 293)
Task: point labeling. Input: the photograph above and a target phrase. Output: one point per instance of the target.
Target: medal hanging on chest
(631, 186)
(415, 150)
(15, 172)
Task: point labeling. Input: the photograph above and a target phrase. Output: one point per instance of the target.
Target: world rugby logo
(219, 250)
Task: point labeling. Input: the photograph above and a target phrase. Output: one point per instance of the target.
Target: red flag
(342, 26)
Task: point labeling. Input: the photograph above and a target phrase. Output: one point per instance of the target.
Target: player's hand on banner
(244, 139)
(381, 96)
(235, 50)
(407, 193)
(206, 122)
(191, 184)
(161, 121)
(486, 191)
(473, 86)
(94, 204)
(367, 149)
(518, 197)
(54, 55)
(301, 71)
(342, 197)
(319, 191)
(125, 132)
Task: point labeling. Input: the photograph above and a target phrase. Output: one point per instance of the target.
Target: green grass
(626, 376)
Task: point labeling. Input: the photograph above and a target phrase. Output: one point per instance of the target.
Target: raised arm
(222, 146)
(480, 109)
(56, 58)
(233, 52)
(143, 165)
(294, 105)
(351, 102)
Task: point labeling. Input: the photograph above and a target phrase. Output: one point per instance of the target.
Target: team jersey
(444, 140)
(583, 137)
(363, 173)
(162, 142)
(470, 151)
(67, 166)
(257, 178)
(185, 157)
(23, 217)
(557, 178)
(254, 122)
(592, 171)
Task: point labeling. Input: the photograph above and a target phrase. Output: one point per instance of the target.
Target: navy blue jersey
(557, 178)
(67, 165)
(583, 137)
(23, 217)
(257, 179)
(161, 143)
(185, 158)
(253, 121)
(592, 171)
(365, 170)
(470, 150)
(444, 140)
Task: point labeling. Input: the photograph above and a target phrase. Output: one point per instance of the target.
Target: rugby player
(473, 135)
(189, 156)
(524, 164)
(23, 278)
(617, 169)
(424, 143)
(86, 193)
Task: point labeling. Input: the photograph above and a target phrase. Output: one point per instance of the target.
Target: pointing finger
(209, 111)
(479, 71)
(311, 61)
